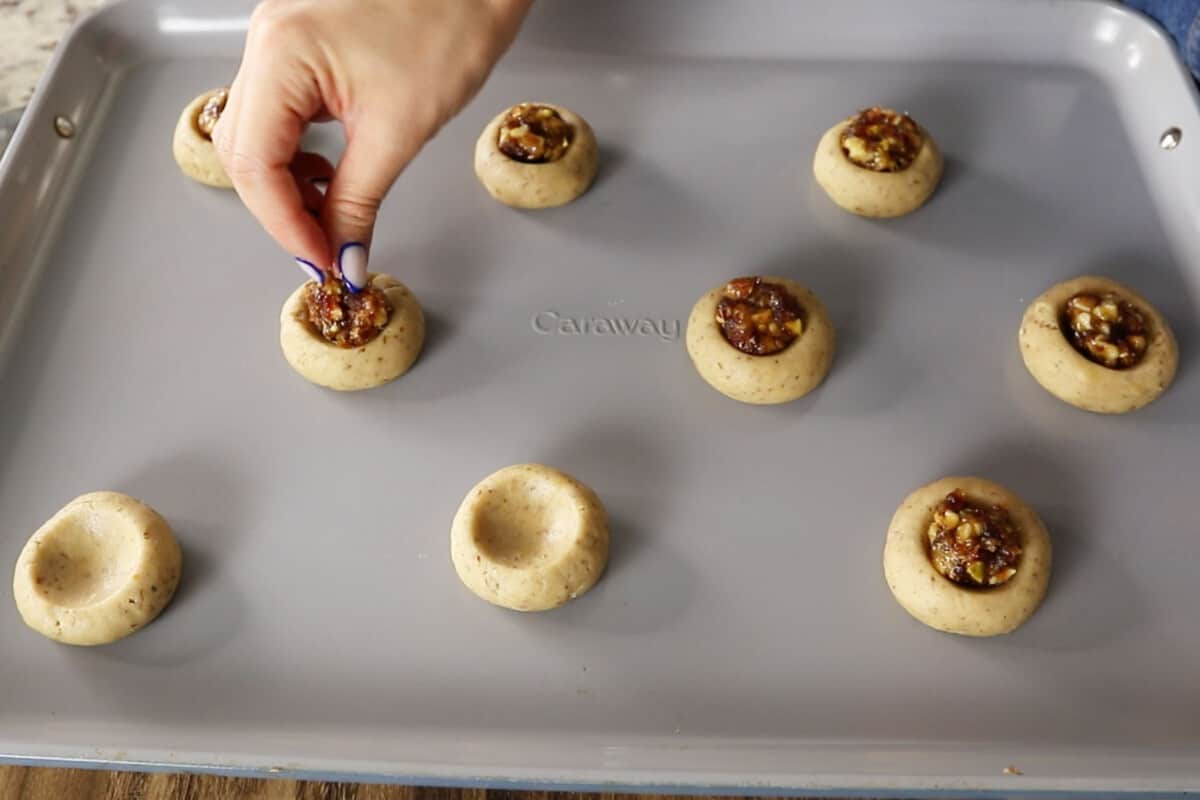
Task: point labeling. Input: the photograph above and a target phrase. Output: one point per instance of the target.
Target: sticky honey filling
(534, 134)
(882, 140)
(210, 112)
(759, 318)
(1106, 329)
(345, 318)
(972, 544)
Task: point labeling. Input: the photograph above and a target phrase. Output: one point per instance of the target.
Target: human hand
(392, 71)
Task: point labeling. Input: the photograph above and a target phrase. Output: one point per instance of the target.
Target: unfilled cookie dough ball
(529, 538)
(193, 146)
(761, 340)
(348, 340)
(536, 155)
(965, 555)
(98, 570)
(878, 163)
(1098, 345)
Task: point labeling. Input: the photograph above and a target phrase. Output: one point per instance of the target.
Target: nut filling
(345, 318)
(882, 140)
(206, 120)
(759, 318)
(973, 546)
(1106, 329)
(534, 134)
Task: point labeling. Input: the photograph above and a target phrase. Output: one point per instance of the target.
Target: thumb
(372, 161)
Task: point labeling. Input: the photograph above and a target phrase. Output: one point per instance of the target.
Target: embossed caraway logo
(554, 323)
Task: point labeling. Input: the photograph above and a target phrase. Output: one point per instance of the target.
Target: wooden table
(24, 783)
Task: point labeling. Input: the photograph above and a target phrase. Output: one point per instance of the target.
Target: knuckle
(356, 209)
(267, 10)
(272, 20)
(262, 15)
(241, 167)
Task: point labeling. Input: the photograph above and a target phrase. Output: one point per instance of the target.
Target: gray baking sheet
(743, 637)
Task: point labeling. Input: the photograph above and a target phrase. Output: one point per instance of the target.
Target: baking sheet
(743, 638)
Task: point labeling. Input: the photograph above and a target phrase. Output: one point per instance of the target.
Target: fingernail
(352, 262)
(311, 270)
(321, 184)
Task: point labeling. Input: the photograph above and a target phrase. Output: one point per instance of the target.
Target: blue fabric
(1181, 18)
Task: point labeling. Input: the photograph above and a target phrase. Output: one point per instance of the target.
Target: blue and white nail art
(352, 263)
(311, 269)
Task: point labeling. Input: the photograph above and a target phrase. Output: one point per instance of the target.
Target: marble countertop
(29, 31)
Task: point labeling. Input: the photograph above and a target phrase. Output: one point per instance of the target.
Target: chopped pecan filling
(206, 120)
(971, 544)
(534, 134)
(759, 318)
(882, 140)
(1106, 329)
(345, 318)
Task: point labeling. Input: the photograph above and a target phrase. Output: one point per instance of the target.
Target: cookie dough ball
(761, 340)
(193, 146)
(965, 555)
(878, 163)
(536, 155)
(98, 570)
(1098, 345)
(348, 340)
(529, 538)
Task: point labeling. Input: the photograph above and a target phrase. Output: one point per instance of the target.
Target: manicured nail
(311, 270)
(322, 184)
(352, 262)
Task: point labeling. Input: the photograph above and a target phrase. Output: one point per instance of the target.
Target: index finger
(256, 138)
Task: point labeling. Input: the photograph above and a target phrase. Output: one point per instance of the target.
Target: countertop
(19, 783)
(29, 32)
